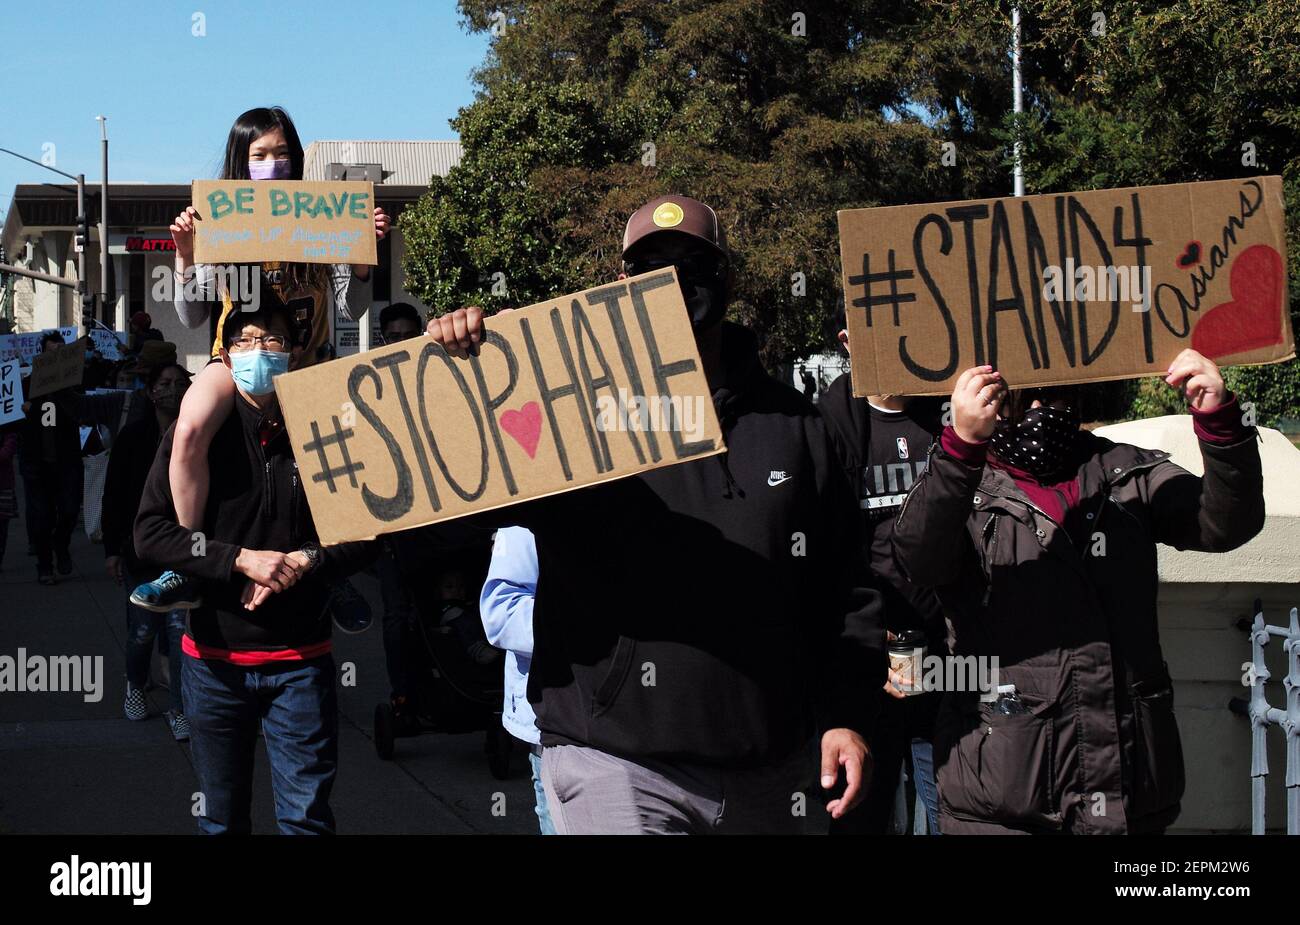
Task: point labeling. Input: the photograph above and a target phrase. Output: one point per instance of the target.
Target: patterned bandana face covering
(1041, 443)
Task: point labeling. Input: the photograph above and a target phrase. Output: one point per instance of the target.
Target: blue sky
(391, 69)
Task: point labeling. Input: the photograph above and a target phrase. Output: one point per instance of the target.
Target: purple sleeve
(970, 454)
(1222, 426)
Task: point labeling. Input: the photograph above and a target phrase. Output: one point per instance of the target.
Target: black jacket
(51, 435)
(129, 462)
(255, 501)
(1074, 629)
(718, 610)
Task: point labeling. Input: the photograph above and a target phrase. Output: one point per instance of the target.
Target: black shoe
(64, 560)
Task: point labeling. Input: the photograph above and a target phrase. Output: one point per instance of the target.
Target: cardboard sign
(11, 392)
(109, 343)
(583, 389)
(57, 368)
(27, 345)
(1075, 287)
(252, 221)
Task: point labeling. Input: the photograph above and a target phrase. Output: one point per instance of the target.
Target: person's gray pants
(591, 792)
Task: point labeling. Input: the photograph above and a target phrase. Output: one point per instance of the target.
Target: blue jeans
(903, 730)
(923, 777)
(543, 813)
(142, 627)
(297, 706)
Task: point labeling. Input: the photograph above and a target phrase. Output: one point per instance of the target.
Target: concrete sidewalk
(68, 766)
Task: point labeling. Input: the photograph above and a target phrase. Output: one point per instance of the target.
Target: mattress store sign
(144, 243)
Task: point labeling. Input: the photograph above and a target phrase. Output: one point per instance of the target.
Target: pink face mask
(269, 170)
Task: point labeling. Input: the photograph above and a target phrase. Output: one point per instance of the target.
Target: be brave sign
(1070, 287)
(287, 220)
(590, 387)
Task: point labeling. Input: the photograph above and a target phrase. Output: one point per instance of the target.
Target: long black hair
(249, 127)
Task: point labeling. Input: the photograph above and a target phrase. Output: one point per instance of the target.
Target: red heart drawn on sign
(1190, 256)
(1251, 319)
(525, 425)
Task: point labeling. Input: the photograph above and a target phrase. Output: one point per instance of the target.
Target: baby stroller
(456, 676)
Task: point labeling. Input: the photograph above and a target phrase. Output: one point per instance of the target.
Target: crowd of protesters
(961, 527)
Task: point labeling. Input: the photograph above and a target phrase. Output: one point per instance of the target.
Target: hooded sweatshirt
(255, 501)
(718, 611)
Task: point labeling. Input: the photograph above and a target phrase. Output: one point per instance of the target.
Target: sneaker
(350, 610)
(169, 591)
(180, 726)
(64, 563)
(46, 576)
(136, 708)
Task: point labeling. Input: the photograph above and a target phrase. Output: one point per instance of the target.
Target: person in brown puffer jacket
(1040, 539)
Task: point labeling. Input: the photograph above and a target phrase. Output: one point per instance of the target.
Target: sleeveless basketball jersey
(312, 318)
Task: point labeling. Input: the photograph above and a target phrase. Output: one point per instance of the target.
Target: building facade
(40, 225)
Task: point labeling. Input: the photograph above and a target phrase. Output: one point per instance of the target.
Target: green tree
(779, 117)
(586, 110)
(1168, 93)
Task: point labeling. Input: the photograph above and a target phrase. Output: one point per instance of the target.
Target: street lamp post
(119, 317)
(1017, 103)
(80, 180)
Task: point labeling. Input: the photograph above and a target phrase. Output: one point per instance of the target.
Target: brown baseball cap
(679, 214)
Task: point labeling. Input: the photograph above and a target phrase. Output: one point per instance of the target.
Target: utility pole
(1017, 103)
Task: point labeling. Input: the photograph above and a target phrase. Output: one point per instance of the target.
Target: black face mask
(1041, 442)
(706, 304)
(703, 280)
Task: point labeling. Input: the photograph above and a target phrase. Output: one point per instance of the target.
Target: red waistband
(254, 656)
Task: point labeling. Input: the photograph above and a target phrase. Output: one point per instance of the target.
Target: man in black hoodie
(259, 644)
(695, 626)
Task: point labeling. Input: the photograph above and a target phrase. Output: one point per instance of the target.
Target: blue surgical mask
(254, 371)
(269, 170)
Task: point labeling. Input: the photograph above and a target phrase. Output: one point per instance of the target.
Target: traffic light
(82, 236)
(88, 309)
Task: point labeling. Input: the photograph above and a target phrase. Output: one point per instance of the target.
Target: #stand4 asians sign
(1071, 287)
(578, 390)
